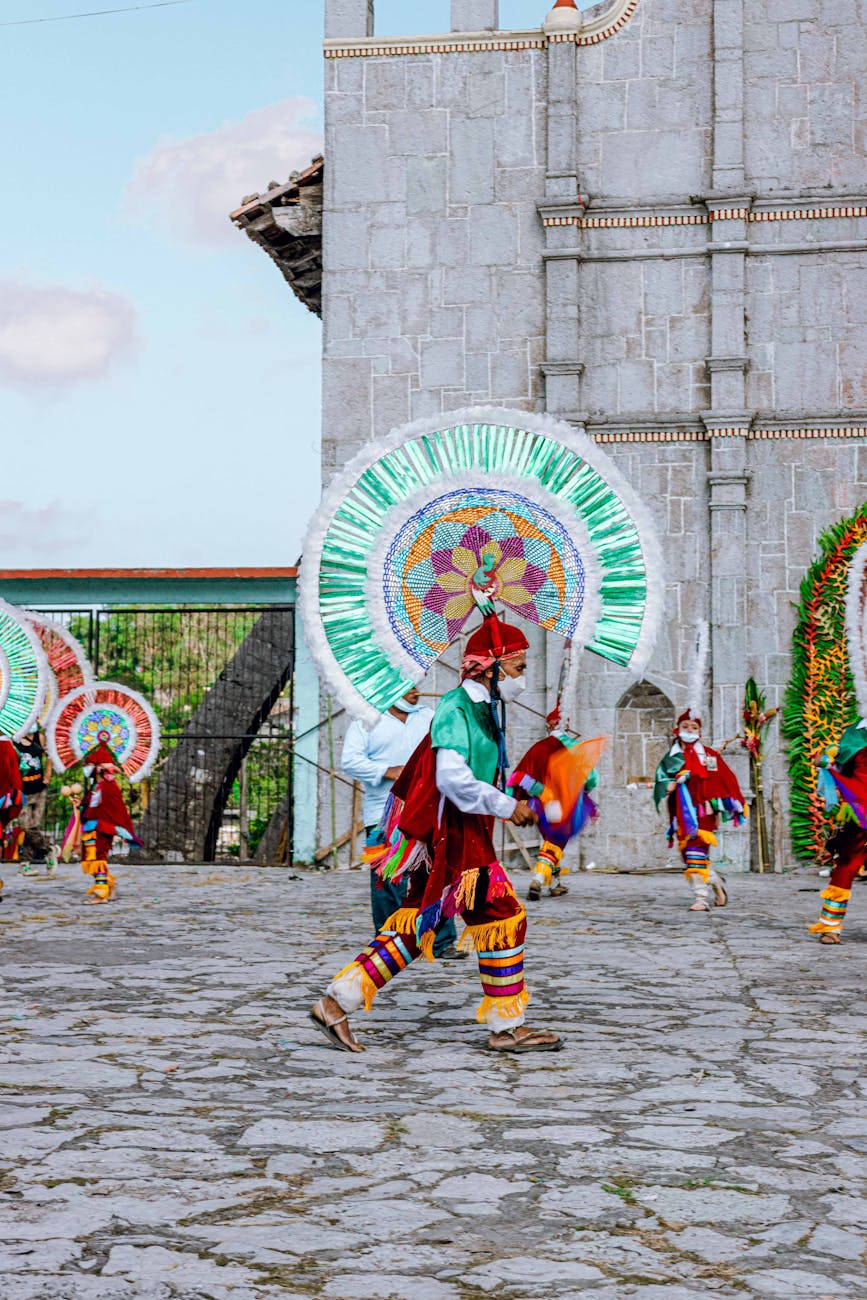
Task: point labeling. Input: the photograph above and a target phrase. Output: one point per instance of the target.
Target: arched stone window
(645, 716)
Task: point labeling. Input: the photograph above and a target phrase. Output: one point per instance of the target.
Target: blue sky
(159, 384)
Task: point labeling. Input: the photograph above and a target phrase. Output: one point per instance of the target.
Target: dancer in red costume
(440, 832)
(103, 816)
(700, 789)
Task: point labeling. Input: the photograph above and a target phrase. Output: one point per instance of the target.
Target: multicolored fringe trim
(730, 810)
(506, 933)
(381, 960)
(396, 855)
(460, 897)
(834, 904)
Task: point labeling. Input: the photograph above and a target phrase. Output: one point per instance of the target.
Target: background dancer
(375, 756)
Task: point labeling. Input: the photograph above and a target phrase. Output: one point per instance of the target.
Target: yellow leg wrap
(496, 934)
(834, 894)
(704, 872)
(834, 902)
(542, 871)
(368, 988)
(508, 1008)
(706, 837)
(402, 921)
(93, 866)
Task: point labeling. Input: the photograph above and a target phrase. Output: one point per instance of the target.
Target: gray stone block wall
(432, 292)
(442, 287)
(804, 94)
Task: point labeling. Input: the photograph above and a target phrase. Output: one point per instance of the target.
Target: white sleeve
(355, 759)
(456, 781)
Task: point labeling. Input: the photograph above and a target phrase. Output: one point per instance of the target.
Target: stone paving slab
(171, 1125)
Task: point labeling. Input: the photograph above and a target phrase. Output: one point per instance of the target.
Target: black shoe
(452, 953)
(534, 893)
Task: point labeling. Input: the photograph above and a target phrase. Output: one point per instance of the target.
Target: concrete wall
(658, 235)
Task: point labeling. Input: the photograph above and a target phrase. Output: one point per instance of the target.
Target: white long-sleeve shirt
(368, 753)
(455, 779)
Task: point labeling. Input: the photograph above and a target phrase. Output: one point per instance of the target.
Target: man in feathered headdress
(699, 788)
(440, 832)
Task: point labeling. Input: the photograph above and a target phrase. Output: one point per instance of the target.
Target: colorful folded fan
(105, 713)
(555, 774)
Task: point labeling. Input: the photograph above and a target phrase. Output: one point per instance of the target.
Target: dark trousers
(386, 897)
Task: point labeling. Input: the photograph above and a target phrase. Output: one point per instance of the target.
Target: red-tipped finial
(564, 17)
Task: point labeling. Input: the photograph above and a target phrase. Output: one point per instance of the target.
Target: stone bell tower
(646, 218)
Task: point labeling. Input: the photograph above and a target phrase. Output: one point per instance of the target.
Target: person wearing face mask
(699, 789)
(375, 757)
(440, 835)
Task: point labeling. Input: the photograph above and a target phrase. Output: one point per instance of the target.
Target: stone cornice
(561, 368)
(592, 32)
(758, 427)
(716, 365)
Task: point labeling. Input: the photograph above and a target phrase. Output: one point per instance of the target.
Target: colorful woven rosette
(108, 713)
(68, 665)
(503, 505)
(24, 673)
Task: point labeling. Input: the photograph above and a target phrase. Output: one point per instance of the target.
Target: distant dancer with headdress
(104, 815)
(699, 790)
(440, 836)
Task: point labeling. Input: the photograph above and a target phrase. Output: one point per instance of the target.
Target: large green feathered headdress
(446, 516)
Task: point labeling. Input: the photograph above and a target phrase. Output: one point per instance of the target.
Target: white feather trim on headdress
(695, 691)
(856, 626)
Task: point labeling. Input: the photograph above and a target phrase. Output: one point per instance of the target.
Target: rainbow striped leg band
(501, 972)
(358, 983)
(834, 904)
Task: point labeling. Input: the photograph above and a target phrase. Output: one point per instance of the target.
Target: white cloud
(34, 537)
(52, 337)
(192, 185)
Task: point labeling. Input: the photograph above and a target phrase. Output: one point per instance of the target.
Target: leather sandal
(329, 1029)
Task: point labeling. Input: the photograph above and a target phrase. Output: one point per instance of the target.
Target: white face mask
(406, 707)
(687, 737)
(511, 687)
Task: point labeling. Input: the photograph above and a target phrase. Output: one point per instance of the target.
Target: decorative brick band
(651, 435)
(703, 435)
(401, 48)
(626, 222)
(835, 431)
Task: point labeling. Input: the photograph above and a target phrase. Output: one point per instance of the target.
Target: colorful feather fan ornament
(105, 713)
(68, 665)
(820, 700)
(445, 517)
(24, 673)
(555, 775)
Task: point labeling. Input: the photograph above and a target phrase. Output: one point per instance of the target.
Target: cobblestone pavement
(172, 1126)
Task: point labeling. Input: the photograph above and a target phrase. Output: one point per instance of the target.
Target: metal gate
(221, 681)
